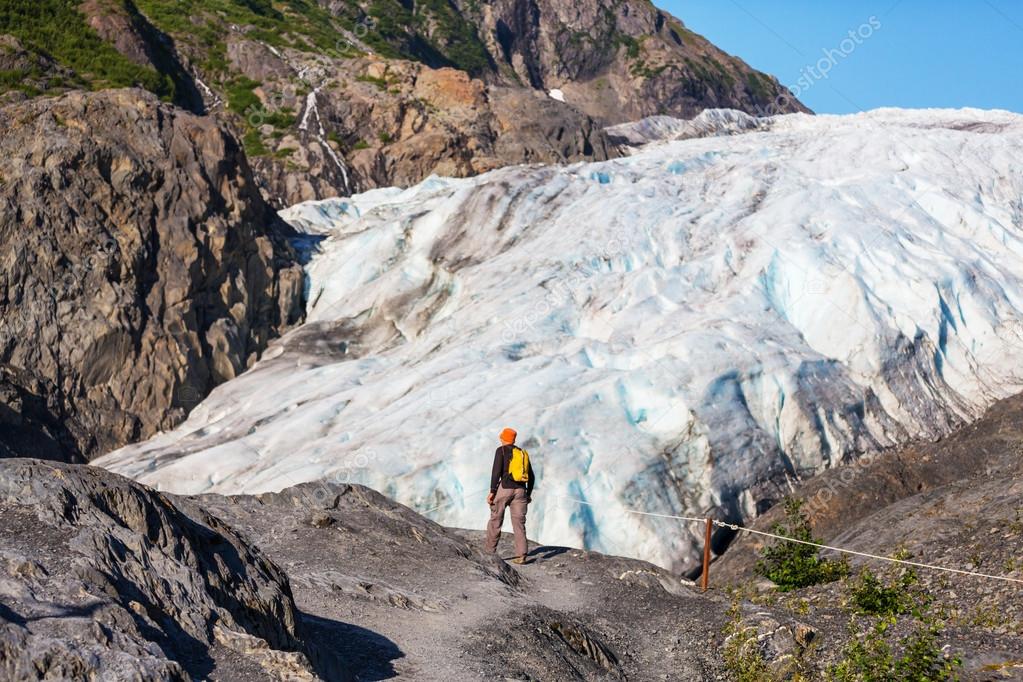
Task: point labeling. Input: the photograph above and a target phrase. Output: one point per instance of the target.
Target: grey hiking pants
(515, 498)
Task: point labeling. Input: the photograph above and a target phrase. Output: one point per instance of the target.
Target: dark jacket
(500, 474)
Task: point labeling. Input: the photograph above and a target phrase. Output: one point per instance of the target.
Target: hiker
(511, 485)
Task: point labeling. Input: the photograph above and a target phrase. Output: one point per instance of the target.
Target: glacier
(689, 329)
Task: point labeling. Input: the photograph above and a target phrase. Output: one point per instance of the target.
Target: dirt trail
(405, 597)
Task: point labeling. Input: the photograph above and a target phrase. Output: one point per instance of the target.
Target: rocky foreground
(103, 578)
(956, 502)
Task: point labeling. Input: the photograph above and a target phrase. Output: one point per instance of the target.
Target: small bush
(742, 656)
(916, 657)
(253, 144)
(240, 95)
(878, 655)
(872, 596)
(792, 565)
(381, 83)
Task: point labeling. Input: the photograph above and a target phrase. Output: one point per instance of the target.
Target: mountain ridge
(262, 66)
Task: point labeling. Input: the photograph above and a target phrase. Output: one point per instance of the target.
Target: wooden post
(705, 581)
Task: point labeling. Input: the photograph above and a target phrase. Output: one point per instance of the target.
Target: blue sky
(909, 53)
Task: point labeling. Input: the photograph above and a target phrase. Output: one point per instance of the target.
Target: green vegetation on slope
(299, 24)
(57, 29)
(430, 31)
(792, 565)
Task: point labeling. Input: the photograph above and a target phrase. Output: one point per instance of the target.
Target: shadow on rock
(541, 554)
(341, 651)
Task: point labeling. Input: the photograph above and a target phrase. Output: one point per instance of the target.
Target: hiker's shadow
(345, 652)
(541, 554)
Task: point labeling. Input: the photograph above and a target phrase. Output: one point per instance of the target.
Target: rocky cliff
(139, 267)
(620, 60)
(341, 96)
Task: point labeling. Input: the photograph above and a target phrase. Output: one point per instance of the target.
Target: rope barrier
(736, 527)
(904, 562)
(455, 499)
(743, 529)
(642, 513)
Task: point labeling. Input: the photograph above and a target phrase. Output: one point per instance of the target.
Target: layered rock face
(139, 267)
(105, 579)
(373, 123)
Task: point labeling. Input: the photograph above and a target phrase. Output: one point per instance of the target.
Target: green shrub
(742, 656)
(279, 119)
(759, 86)
(792, 565)
(253, 144)
(632, 46)
(872, 596)
(240, 95)
(916, 657)
(381, 83)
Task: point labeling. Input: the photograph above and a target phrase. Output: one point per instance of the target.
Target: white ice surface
(682, 330)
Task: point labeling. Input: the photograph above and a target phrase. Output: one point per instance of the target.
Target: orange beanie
(508, 436)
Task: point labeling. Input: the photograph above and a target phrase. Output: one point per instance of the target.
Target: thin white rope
(737, 527)
(642, 513)
(868, 555)
(454, 500)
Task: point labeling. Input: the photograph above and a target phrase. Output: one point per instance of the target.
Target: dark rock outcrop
(105, 579)
(956, 502)
(979, 465)
(139, 267)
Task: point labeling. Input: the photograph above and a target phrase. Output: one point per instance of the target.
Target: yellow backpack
(519, 465)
